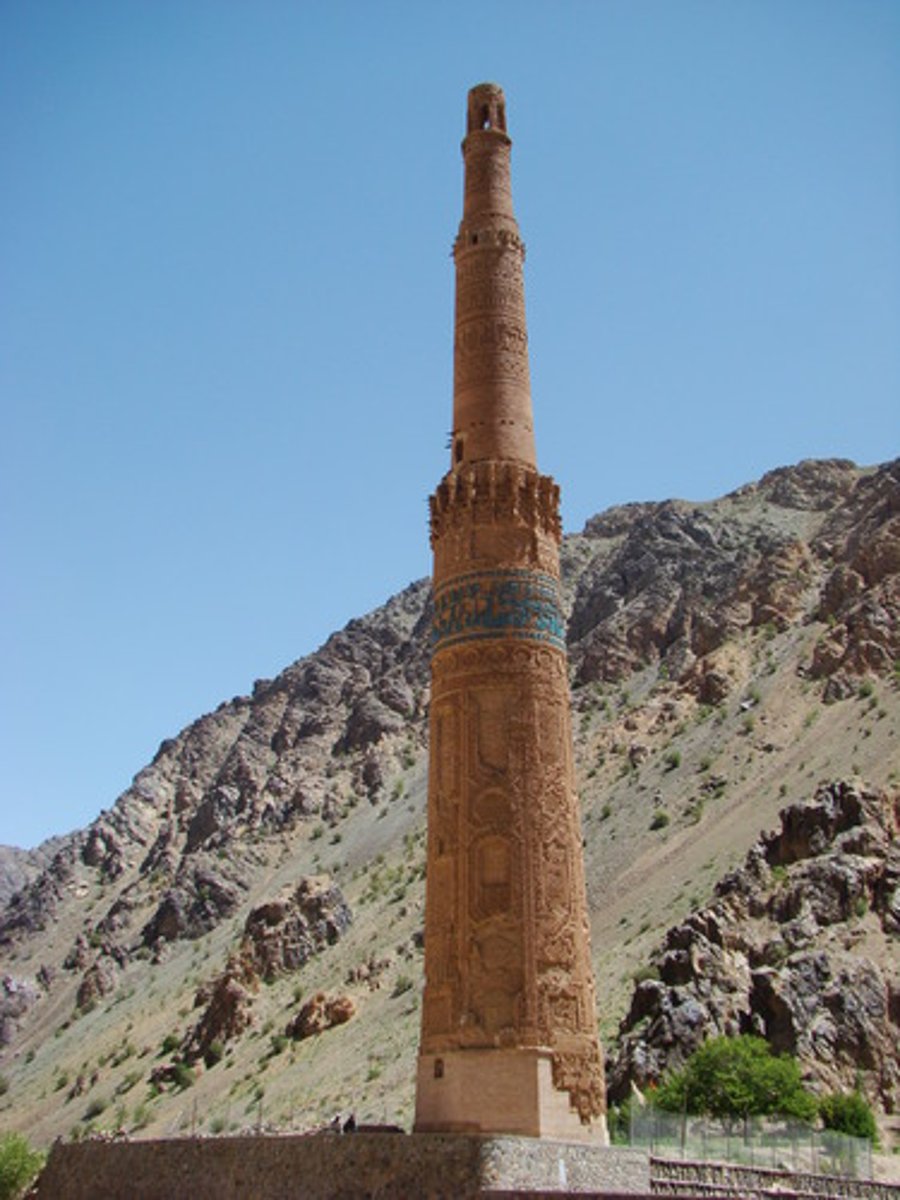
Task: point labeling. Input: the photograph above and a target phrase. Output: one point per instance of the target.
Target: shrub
(402, 984)
(848, 1112)
(737, 1077)
(170, 1043)
(672, 759)
(141, 1117)
(19, 1164)
(128, 1082)
(182, 1076)
(648, 971)
(94, 1108)
(618, 1120)
(214, 1052)
(660, 819)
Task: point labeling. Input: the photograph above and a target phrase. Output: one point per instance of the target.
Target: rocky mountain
(245, 920)
(18, 867)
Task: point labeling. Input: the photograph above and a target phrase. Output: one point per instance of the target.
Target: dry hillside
(237, 940)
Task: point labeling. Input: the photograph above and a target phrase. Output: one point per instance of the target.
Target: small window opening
(439, 1068)
(485, 117)
(474, 239)
(458, 450)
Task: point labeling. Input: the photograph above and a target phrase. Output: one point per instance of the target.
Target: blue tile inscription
(499, 604)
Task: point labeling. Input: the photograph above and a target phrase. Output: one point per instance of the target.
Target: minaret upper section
(491, 390)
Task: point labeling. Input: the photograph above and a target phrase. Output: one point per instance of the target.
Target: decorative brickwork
(509, 1038)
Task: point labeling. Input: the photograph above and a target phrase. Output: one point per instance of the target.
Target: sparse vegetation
(182, 1076)
(19, 1165)
(95, 1107)
(402, 984)
(214, 1052)
(660, 819)
(649, 971)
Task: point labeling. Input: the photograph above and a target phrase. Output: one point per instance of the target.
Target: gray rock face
(20, 867)
(775, 954)
(282, 935)
(204, 893)
(16, 997)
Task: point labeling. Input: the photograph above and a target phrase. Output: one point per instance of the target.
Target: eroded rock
(777, 954)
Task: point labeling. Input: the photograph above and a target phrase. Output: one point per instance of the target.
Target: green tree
(848, 1112)
(19, 1164)
(737, 1078)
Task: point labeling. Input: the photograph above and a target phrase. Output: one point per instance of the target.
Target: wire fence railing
(780, 1145)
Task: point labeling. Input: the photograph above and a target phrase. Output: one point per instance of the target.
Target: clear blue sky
(226, 300)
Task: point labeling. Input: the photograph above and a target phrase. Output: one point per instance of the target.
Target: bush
(182, 1076)
(214, 1052)
(170, 1043)
(737, 1077)
(95, 1108)
(618, 1120)
(848, 1112)
(402, 984)
(660, 819)
(19, 1165)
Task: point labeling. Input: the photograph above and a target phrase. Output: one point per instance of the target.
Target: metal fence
(780, 1145)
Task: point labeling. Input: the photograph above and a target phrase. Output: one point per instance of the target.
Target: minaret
(509, 1031)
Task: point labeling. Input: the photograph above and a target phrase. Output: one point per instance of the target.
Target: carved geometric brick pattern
(507, 961)
(496, 493)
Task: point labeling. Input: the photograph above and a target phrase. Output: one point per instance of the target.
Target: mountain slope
(725, 658)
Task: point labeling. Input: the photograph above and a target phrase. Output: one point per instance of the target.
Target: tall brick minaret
(509, 1032)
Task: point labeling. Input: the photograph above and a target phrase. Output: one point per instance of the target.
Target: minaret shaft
(491, 388)
(509, 1041)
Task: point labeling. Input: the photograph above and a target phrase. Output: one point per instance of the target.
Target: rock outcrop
(279, 937)
(318, 1013)
(799, 946)
(282, 935)
(16, 997)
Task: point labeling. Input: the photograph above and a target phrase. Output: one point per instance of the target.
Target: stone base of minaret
(389, 1165)
(498, 1091)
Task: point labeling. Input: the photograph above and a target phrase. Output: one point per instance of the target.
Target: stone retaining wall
(333, 1167)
